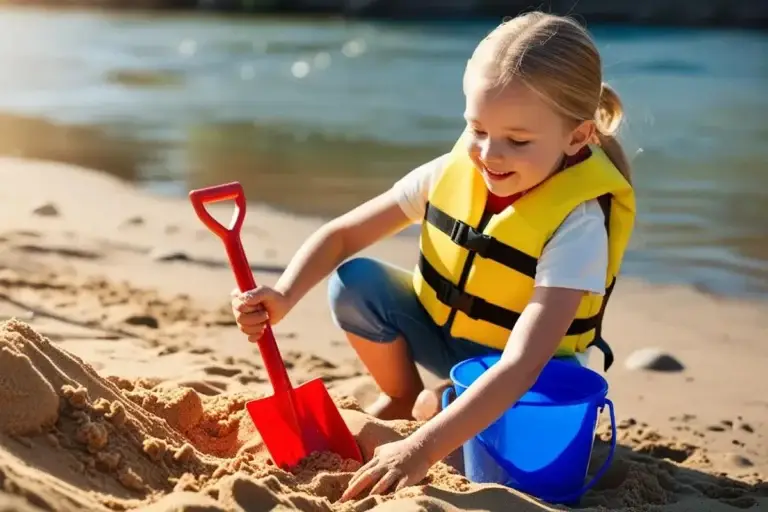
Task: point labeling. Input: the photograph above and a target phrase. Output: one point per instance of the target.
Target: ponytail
(608, 117)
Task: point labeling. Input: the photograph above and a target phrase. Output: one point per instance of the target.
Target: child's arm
(339, 239)
(531, 345)
(334, 242)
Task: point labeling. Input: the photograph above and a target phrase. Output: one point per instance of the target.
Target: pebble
(134, 221)
(654, 360)
(46, 210)
(739, 460)
(145, 320)
(159, 254)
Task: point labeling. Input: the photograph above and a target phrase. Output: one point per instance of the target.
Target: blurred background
(317, 105)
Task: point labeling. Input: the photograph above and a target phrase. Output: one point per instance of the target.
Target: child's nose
(491, 151)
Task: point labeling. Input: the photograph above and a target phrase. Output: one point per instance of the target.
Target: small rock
(654, 360)
(169, 255)
(134, 221)
(146, 320)
(46, 210)
(739, 460)
(746, 427)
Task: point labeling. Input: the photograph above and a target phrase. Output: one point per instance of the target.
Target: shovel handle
(273, 361)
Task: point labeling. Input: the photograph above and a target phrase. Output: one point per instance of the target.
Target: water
(315, 116)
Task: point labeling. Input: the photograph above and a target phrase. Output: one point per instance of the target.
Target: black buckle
(478, 242)
(459, 233)
(468, 237)
(450, 295)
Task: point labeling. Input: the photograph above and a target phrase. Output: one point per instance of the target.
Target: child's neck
(497, 204)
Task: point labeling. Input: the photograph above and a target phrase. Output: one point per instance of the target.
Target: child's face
(516, 139)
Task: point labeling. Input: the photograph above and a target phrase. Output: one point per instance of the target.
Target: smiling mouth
(497, 174)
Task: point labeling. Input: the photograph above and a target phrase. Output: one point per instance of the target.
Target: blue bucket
(543, 444)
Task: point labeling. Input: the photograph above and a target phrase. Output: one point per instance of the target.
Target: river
(315, 116)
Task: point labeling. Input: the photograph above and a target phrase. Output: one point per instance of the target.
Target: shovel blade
(313, 423)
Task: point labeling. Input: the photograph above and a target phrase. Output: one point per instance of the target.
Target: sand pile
(73, 439)
(129, 444)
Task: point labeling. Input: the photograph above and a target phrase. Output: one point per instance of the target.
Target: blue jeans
(376, 301)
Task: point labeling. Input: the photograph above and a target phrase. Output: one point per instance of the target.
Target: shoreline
(264, 212)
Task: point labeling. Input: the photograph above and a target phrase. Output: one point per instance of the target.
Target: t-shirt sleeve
(412, 190)
(576, 257)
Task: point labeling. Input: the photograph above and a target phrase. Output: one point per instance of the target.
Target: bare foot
(429, 402)
(388, 408)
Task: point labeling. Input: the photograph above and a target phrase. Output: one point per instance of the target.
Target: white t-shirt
(576, 256)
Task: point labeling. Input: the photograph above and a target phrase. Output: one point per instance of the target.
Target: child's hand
(393, 466)
(254, 308)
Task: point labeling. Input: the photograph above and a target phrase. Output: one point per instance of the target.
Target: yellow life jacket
(477, 271)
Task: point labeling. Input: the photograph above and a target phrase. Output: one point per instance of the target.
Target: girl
(524, 226)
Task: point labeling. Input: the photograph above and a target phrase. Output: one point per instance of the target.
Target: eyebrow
(518, 129)
(506, 128)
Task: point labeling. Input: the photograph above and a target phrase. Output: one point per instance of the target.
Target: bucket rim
(601, 394)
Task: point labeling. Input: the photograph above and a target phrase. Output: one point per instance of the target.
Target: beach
(123, 377)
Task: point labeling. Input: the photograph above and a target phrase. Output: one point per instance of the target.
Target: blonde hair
(556, 58)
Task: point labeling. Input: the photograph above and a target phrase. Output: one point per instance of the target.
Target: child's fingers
(247, 306)
(247, 301)
(254, 318)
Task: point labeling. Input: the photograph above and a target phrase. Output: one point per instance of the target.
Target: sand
(123, 377)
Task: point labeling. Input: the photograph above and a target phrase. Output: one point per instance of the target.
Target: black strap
(469, 238)
(603, 347)
(605, 204)
(479, 309)
(599, 342)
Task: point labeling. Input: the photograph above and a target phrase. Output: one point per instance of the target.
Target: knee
(349, 285)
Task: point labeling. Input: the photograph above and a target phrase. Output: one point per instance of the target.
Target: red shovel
(293, 422)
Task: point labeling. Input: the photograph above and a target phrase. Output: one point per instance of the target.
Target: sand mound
(73, 440)
(134, 443)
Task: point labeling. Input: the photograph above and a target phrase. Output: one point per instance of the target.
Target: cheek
(474, 150)
(539, 161)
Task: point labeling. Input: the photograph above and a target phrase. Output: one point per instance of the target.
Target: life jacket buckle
(478, 242)
(469, 238)
(454, 298)
(459, 233)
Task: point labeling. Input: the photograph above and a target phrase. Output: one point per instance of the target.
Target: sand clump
(132, 443)
(21, 385)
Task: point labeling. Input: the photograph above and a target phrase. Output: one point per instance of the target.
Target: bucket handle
(446, 400)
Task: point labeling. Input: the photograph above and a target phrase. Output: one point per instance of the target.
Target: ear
(580, 136)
